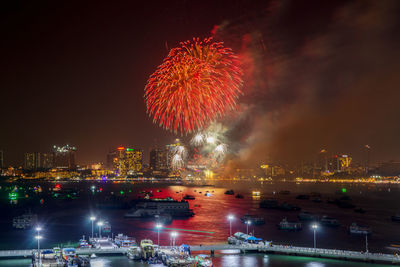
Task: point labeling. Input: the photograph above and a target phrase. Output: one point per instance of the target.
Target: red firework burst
(198, 82)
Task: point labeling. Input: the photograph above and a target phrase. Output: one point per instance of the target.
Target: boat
(329, 221)
(239, 196)
(288, 207)
(359, 230)
(146, 208)
(147, 248)
(284, 192)
(396, 217)
(360, 210)
(307, 216)
(229, 192)
(189, 197)
(134, 253)
(83, 243)
(24, 221)
(68, 253)
(290, 226)
(269, 203)
(304, 197)
(124, 241)
(203, 261)
(254, 220)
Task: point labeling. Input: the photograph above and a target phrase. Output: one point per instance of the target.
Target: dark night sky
(74, 71)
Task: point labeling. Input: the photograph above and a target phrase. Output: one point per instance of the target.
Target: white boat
(359, 230)
(291, 226)
(134, 253)
(151, 207)
(124, 241)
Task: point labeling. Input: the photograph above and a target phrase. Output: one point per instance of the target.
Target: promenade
(254, 248)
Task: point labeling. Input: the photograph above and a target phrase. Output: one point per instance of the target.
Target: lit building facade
(126, 161)
(32, 161)
(159, 159)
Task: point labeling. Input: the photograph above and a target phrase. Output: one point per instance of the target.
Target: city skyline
(79, 77)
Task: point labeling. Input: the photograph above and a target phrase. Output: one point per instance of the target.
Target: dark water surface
(68, 220)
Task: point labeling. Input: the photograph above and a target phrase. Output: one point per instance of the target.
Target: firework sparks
(210, 139)
(197, 140)
(198, 82)
(177, 162)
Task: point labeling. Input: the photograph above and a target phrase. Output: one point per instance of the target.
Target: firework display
(198, 82)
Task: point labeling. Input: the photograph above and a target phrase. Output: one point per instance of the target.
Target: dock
(254, 248)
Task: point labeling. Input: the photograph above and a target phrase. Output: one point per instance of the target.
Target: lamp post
(230, 218)
(247, 227)
(173, 236)
(92, 218)
(158, 226)
(315, 227)
(366, 243)
(38, 237)
(100, 224)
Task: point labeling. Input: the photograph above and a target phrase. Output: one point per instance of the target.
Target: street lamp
(92, 218)
(100, 224)
(158, 226)
(38, 237)
(315, 227)
(173, 236)
(247, 226)
(230, 218)
(366, 243)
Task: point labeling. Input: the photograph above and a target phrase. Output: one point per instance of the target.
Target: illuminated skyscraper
(64, 157)
(125, 161)
(46, 161)
(32, 161)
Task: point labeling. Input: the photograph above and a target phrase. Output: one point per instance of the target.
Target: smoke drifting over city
(330, 85)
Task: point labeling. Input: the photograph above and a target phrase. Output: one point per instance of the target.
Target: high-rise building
(32, 161)
(159, 159)
(46, 161)
(125, 161)
(1, 159)
(64, 157)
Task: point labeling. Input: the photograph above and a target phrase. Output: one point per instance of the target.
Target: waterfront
(65, 221)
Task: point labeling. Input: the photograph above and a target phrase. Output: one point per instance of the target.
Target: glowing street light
(230, 218)
(100, 224)
(247, 226)
(314, 226)
(92, 218)
(158, 226)
(38, 237)
(173, 237)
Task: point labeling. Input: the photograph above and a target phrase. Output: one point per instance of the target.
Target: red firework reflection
(198, 82)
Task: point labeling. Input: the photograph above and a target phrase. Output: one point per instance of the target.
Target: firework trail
(177, 162)
(198, 82)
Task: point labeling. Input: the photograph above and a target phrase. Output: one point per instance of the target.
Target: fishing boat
(290, 226)
(147, 248)
(356, 229)
(229, 192)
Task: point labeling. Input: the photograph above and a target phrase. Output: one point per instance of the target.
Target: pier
(255, 248)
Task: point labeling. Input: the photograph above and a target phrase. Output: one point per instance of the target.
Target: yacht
(291, 226)
(359, 230)
(151, 207)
